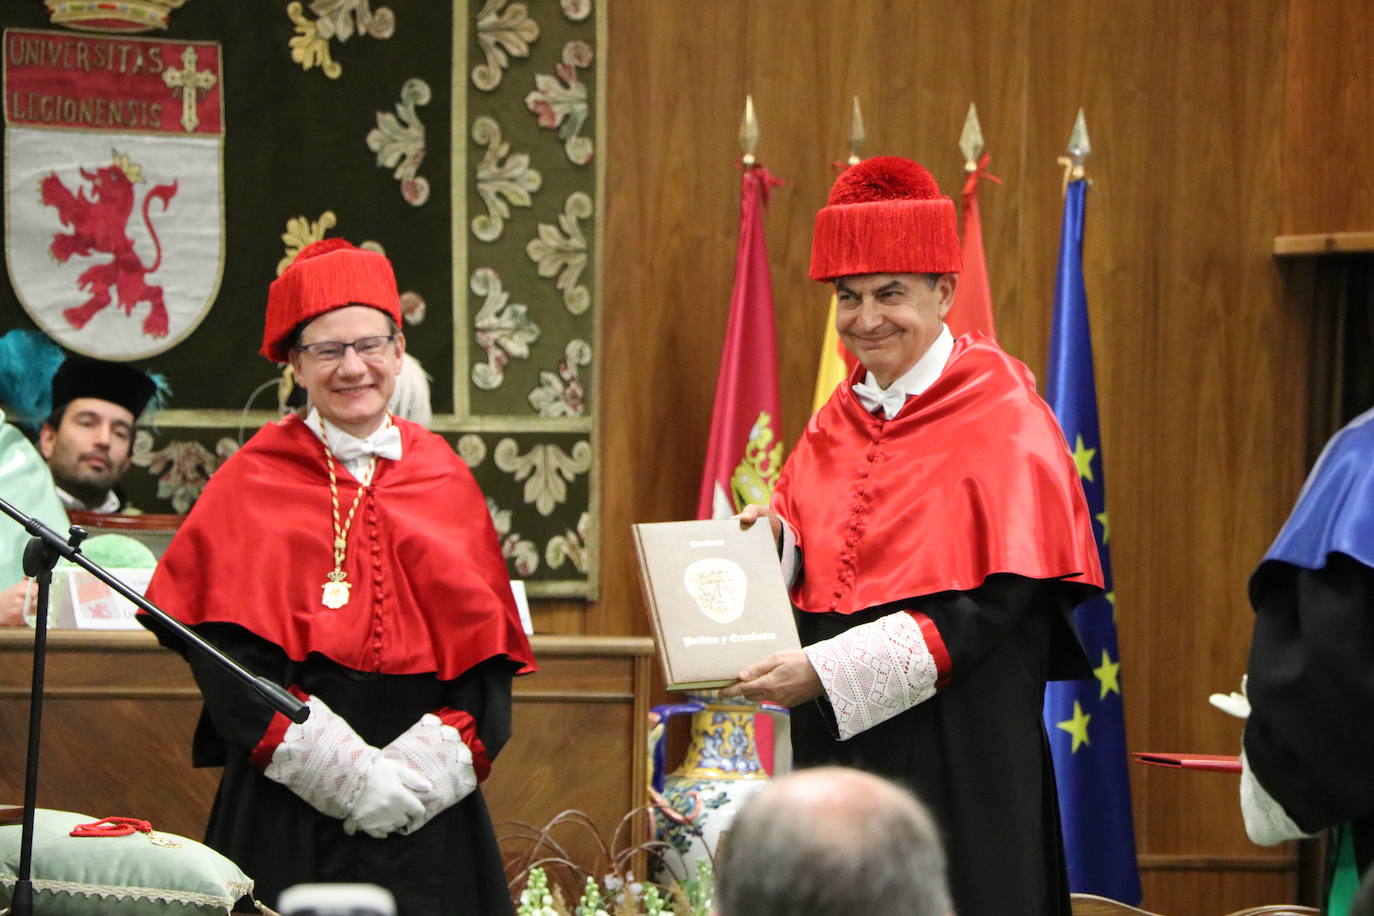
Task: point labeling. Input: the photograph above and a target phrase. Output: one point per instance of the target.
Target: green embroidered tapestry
(166, 159)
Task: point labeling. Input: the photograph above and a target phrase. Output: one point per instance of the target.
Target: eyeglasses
(372, 349)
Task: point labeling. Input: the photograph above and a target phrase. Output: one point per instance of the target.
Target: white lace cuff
(1266, 823)
(437, 752)
(874, 671)
(323, 760)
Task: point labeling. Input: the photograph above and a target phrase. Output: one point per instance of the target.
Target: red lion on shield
(98, 225)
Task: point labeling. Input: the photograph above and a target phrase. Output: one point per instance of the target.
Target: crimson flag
(972, 309)
(744, 453)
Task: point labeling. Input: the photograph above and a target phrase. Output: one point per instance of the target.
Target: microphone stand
(40, 556)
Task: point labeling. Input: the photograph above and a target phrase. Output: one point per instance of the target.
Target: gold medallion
(335, 591)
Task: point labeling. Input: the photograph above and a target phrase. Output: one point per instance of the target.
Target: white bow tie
(384, 443)
(891, 401)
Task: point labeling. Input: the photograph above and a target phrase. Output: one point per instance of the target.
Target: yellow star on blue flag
(1077, 726)
(1083, 457)
(1108, 675)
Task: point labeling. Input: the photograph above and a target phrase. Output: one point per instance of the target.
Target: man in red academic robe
(349, 556)
(936, 539)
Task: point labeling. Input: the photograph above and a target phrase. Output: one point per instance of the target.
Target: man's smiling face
(350, 392)
(888, 321)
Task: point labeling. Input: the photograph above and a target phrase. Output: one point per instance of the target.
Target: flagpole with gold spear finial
(1077, 153)
(972, 310)
(856, 134)
(748, 132)
(971, 139)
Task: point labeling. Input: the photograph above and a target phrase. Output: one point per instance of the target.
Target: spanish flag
(835, 365)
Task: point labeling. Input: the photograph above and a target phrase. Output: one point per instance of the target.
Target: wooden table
(120, 711)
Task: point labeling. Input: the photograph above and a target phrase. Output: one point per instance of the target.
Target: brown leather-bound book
(716, 598)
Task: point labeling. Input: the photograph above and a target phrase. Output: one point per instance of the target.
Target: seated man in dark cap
(88, 439)
(85, 442)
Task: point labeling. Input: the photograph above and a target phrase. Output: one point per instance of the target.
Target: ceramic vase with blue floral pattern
(720, 770)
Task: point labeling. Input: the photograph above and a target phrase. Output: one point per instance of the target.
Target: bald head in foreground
(832, 841)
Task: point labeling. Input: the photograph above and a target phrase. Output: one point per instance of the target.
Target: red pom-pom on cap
(883, 178)
(323, 246)
(885, 215)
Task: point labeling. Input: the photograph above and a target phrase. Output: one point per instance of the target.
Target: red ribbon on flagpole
(979, 171)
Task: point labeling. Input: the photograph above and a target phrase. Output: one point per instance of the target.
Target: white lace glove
(323, 760)
(389, 800)
(435, 753)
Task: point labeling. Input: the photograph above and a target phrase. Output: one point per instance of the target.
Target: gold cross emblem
(191, 85)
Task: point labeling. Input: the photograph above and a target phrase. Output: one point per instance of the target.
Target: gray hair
(410, 399)
(832, 842)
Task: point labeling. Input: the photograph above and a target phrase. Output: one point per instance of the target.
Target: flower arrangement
(547, 878)
(687, 897)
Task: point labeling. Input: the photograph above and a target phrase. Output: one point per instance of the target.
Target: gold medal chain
(341, 532)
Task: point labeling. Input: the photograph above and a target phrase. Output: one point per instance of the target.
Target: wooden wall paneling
(1221, 887)
(1328, 134)
(1232, 351)
(1001, 71)
(578, 742)
(140, 767)
(151, 756)
(672, 211)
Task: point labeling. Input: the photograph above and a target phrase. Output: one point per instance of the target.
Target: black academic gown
(1309, 739)
(450, 866)
(976, 753)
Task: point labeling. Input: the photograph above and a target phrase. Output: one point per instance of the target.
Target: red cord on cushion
(113, 826)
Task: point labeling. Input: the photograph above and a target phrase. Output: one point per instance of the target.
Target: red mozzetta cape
(972, 478)
(430, 591)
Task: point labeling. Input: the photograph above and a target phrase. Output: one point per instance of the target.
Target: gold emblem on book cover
(718, 587)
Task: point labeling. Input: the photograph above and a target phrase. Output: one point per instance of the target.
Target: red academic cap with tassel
(885, 215)
(326, 275)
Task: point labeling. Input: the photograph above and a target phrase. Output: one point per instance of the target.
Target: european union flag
(1085, 719)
